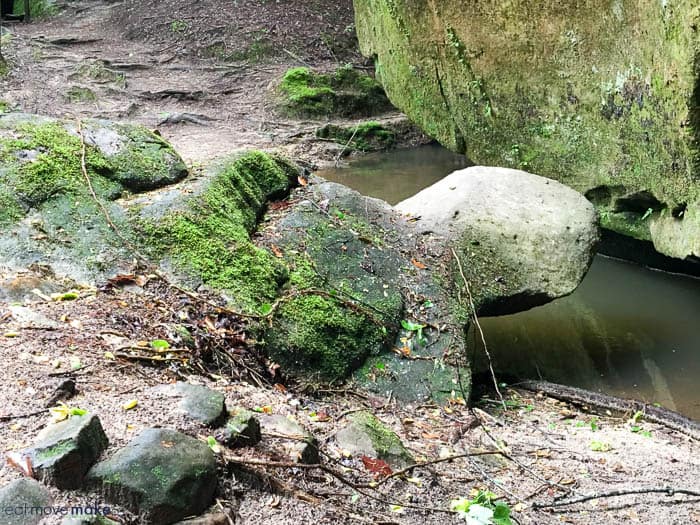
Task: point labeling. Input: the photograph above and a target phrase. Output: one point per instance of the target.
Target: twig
(478, 326)
(669, 491)
(337, 159)
(68, 372)
(23, 416)
(296, 57)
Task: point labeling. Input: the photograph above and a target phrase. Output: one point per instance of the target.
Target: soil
(542, 451)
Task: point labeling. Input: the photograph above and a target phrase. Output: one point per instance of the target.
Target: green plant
(37, 8)
(483, 509)
(179, 26)
(414, 327)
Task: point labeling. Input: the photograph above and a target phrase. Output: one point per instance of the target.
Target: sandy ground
(547, 447)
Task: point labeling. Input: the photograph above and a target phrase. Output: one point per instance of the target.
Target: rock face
(522, 239)
(65, 451)
(556, 89)
(21, 494)
(367, 436)
(161, 475)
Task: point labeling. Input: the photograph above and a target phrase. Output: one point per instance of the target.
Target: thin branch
(478, 326)
(669, 491)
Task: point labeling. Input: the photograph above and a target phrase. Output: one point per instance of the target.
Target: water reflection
(626, 330)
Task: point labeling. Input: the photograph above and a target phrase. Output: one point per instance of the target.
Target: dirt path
(81, 64)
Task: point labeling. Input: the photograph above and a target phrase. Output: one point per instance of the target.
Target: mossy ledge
(364, 136)
(209, 239)
(345, 92)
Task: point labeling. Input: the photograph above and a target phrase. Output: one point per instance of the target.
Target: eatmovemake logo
(96, 509)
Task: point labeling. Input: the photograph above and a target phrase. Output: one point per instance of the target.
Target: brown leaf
(378, 467)
(276, 250)
(418, 264)
(302, 181)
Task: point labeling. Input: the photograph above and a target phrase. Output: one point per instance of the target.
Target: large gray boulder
(521, 239)
(161, 475)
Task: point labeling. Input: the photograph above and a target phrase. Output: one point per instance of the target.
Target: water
(626, 330)
(396, 175)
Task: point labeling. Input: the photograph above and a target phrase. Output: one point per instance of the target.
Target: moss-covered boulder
(345, 92)
(603, 96)
(204, 238)
(49, 214)
(343, 301)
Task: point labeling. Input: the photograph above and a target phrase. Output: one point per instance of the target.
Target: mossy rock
(207, 236)
(368, 436)
(343, 300)
(558, 91)
(365, 136)
(345, 92)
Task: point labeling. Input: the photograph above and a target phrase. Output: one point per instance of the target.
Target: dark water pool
(626, 330)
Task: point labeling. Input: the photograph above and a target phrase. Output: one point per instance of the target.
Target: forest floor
(217, 63)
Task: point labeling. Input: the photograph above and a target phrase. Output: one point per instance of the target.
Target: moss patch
(345, 92)
(386, 443)
(210, 239)
(366, 136)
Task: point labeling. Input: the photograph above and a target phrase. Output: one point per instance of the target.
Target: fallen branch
(23, 416)
(669, 491)
(603, 402)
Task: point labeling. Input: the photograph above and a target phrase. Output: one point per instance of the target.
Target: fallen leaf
(276, 251)
(66, 296)
(109, 355)
(302, 181)
(11, 334)
(130, 404)
(418, 264)
(378, 467)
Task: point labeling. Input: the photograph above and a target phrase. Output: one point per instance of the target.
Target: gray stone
(367, 436)
(161, 475)
(523, 240)
(27, 496)
(241, 430)
(65, 451)
(196, 402)
(300, 444)
(28, 318)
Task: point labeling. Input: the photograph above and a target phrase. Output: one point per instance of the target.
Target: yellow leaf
(415, 481)
(59, 413)
(109, 355)
(130, 404)
(11, 334)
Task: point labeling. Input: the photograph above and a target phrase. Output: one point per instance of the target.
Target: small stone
(241, 430)
(23, 494)
(65, 451)
(367, 436)
(162, 475)
(196, 402)
(301, 446)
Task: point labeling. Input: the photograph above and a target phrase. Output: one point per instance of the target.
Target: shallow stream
(626, 330)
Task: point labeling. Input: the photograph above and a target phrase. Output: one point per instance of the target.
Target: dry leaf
(418, 264)
(276, 251)
(130, 404)
(378, 467)
(302, 181)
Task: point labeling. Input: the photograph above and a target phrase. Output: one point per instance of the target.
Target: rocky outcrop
(522, 240)
(558, 91)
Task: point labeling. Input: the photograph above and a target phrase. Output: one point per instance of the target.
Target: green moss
(345, 92)
(56, 450)
(37, 8)
(211, 238)
(56, 168)
(80, 94)
(366, 136)
(385, 442)
(324, 336)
